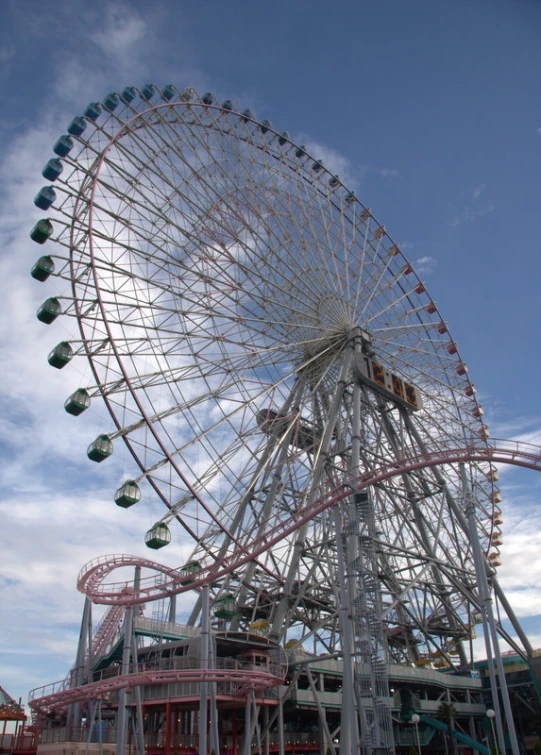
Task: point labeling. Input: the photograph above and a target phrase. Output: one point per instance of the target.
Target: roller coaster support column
(214, 734)
(139, 722)
(122, 715)
(281, 742)
(489, 628)
(203, 699)
(78, 673)
(349, 731)
(172, 615)
(247, 743)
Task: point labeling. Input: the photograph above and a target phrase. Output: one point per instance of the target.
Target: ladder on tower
(371, 680)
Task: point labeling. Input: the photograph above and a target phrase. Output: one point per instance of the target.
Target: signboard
(375, 375)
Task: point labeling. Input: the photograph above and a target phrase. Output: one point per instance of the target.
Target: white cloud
(425, 265)
(56, 507)
(465, 211)
(478, 190)
(389, 173)
(470, 215)
(123, 34)
(333, 161)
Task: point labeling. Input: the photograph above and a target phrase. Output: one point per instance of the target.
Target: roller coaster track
(44, 700)
(92, 578)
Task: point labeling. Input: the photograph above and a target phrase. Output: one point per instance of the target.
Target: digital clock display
(392, 386)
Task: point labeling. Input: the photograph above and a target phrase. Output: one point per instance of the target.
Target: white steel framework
(227, 291)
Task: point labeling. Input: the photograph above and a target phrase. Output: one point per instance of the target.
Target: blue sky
(432, 112)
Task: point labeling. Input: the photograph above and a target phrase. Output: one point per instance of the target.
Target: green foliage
(413, 750)
(446, 712)
(537, 748)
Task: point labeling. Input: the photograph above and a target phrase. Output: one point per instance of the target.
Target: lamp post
(490, 715)
(415, 721)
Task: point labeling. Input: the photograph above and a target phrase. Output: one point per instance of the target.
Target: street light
(415, 721)
(490, 715)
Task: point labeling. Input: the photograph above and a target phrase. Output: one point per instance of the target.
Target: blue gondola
(63, 145)
(77, 126)
(53, 168)
(93, 111)
(128, 95)
(111, 101)
(147, 91)
(283, 138)
(168, 92)
(265, 126)
(45, 197)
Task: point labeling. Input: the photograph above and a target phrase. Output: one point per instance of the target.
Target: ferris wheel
(259, 340)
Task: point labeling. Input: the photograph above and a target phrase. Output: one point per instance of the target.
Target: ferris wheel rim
(283, 351)
(138, 115)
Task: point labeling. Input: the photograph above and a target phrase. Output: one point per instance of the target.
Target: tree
(447, 712)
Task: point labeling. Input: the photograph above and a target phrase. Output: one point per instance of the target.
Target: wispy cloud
(469, 215)
(468, 208)
(389, 173)
(56, 506)
(123, 33)
(425, 265)
(7, 52)
(478, 190)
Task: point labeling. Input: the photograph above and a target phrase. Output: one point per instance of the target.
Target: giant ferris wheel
(261, 343)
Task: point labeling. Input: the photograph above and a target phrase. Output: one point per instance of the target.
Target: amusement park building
(164, 679)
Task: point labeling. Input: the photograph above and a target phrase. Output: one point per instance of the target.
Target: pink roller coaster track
(59, 694)
(92, 577)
